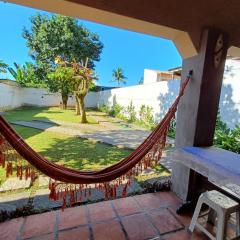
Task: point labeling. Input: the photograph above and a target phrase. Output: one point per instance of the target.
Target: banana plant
(20, 73)
(3, 67)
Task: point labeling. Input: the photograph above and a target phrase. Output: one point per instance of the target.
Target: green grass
(76, 153)
(51, 113)
(73, 152)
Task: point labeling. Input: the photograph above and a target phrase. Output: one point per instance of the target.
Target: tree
(3, 67)
(50, 37)
(83, 80)
(27, 75)
(118, 76)
(80, 80)
(60, 80)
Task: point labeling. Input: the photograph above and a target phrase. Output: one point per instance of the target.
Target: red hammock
(14, 150)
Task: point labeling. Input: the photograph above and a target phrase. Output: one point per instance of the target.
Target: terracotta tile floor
(147, 216)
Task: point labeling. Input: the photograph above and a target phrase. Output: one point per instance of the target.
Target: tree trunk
(64, 101)
(77, 106)
(82, 109)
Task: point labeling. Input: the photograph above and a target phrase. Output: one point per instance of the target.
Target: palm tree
(3, 67)
(118, 76)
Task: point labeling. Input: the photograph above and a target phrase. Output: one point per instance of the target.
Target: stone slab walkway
(129, 138)
(39, 198)
(12, 201)
(14, 183)
(148, 216)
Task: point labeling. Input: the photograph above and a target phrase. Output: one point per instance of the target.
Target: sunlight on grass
(73, 152)
(51, 113)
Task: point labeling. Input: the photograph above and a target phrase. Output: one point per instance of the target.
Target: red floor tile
(169, 197)
(184, 235)
(138, 227)
(164, 221)
(10, 230)
(81, 233)
(154, 200)
(185, 219)
(108, 231)
(126, 206)
(101, 211)
(45, 237)
(39, 224)
(72, 217)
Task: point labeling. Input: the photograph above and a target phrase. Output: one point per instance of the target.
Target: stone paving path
(124, 138)
(39, 198)
(14, 183)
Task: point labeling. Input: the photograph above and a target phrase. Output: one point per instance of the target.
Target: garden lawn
(73, 152)
(47, 113)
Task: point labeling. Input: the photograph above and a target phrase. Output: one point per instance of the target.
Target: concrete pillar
(197, 111)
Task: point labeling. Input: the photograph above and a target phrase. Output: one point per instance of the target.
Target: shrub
(132, 115)
(104, 108)
(172, 128)
(115, 110)
(146, 115)
(226, 138)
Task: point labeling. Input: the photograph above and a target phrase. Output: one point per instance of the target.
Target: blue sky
(129, 50)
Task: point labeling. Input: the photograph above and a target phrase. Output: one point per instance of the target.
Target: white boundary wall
(10, 97)
(13, 96)
(159, 96)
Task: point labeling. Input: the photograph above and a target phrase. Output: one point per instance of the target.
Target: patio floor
(147, 216)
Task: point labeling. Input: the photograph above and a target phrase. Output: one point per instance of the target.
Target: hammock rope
(74, 185)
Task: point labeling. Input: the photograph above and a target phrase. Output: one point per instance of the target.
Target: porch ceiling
(180, 21)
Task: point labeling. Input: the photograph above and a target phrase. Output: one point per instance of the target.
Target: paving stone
(15, 183)
(36, 225)
(10, 230)
(81, 233)
(101, 211)
(12, 201)
(138, 227)
(126, 206)
(108, 231)
(42, 202)
(35, 124)
(164, 221)
(43, 181)
(72, 217)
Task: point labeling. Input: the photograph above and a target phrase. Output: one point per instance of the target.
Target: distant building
(152, 76)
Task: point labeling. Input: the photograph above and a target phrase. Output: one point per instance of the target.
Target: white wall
(10, 97)
(230, 96)
(158, 95)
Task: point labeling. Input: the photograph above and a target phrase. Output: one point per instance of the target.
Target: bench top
(220, 166)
